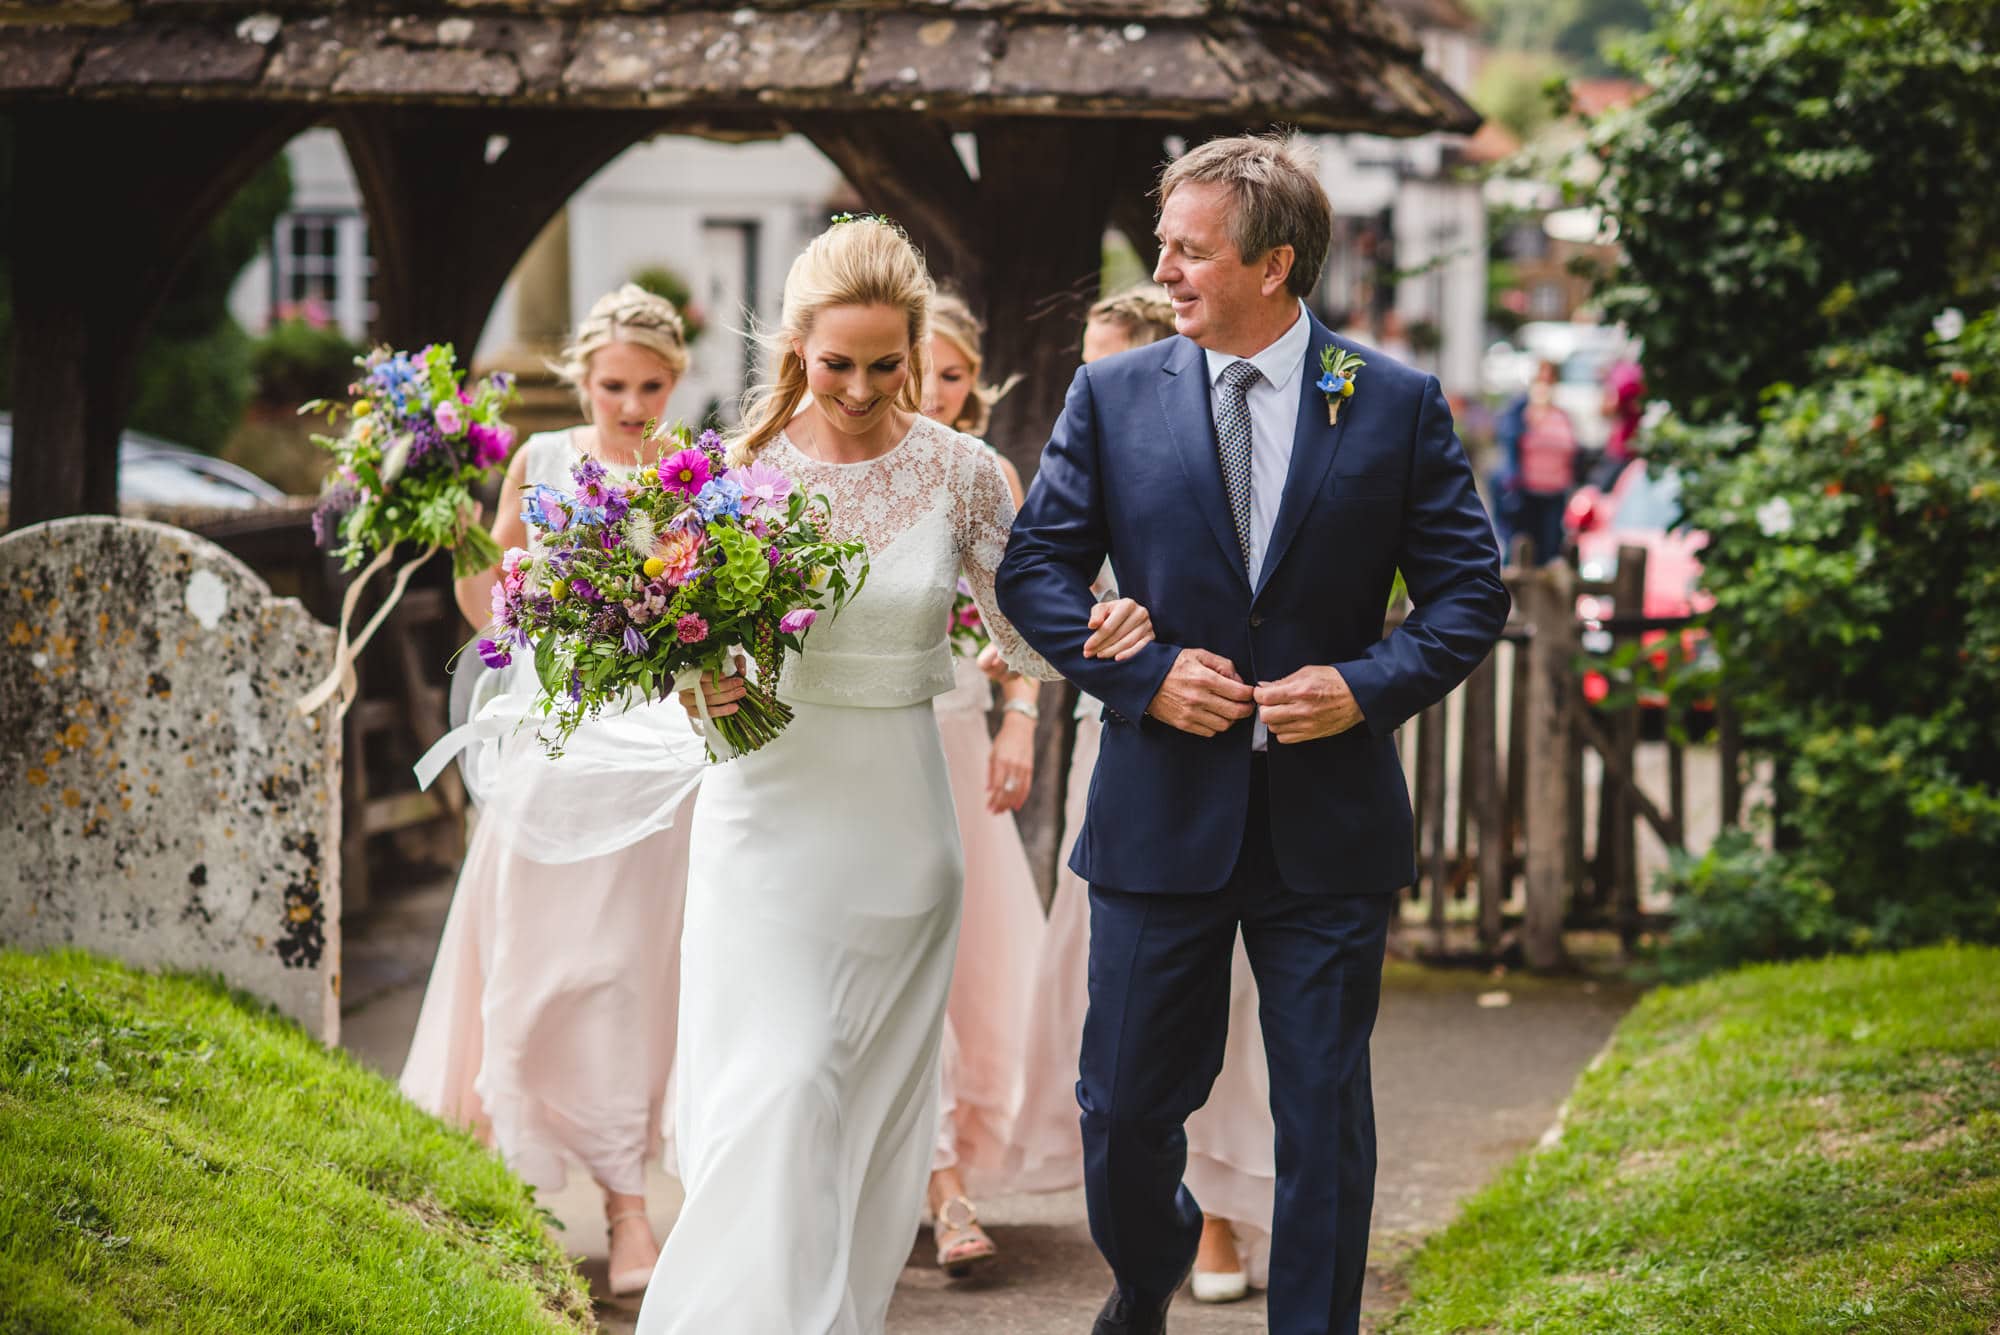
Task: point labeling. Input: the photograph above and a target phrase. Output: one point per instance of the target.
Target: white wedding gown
(822, 918)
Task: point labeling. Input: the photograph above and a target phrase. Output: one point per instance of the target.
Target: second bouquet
(631, 588)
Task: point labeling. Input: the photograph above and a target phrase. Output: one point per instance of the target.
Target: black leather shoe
(1121, 1317)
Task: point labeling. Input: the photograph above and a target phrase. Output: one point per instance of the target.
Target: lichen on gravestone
(161, 801)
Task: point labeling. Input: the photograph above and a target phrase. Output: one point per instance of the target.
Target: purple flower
(709, 442)
(635, 643)
(584, 589)
(494, 655)
(796, 620)
(331, 510)
(686, 472)
(586, 471)
(691, 629)
(610, 539)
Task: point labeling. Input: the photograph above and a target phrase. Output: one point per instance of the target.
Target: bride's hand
(1119, 629)
(722, 694)
(993, 665)
(1011, 766)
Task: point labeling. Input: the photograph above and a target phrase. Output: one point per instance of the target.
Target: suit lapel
(1191, 423)
(1314, 444)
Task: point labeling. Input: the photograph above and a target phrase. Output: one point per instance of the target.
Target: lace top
(934, 505)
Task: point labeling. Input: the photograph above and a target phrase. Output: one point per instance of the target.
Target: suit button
(1256, 620)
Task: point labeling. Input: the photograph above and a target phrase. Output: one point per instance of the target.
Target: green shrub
(1855, 562)
(1799, 173)
(300, 359)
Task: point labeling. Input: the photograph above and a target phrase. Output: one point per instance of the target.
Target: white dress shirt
(1274, 415)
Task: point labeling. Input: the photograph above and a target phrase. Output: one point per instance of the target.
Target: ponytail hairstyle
(629, 315)
(1145, 313)
(865, 261)
(952, 318)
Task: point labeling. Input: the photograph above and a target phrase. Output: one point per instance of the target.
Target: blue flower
(1329, 383)
(721, 496)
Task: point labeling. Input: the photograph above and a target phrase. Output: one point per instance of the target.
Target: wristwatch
(1027, 708)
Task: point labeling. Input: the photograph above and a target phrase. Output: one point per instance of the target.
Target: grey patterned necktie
(1232, 443)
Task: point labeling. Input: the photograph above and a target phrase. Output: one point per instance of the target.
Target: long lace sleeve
(982, 517)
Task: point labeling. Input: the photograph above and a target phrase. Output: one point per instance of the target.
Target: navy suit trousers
(1152, 1047)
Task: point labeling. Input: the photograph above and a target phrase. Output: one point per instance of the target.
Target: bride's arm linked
(984, 517)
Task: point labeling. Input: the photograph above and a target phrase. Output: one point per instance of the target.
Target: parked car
(158, 472)
(1639, 510)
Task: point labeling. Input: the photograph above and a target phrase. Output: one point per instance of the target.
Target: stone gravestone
(161, 800)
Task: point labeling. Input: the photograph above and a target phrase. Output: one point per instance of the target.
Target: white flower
(1774, 517)
(1950, 323)
(392, 462)
(641, 533)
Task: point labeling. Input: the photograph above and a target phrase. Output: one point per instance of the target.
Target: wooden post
(1628, 600)
(1551, 613)
(455, 196)
(1729, 741)
(1482, 795)
(1431, 753)
(107, 198)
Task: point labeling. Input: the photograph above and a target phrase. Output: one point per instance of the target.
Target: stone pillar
(165, 803)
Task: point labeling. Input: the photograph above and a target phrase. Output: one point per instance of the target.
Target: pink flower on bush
(679, 551)
(685, 472)
(691, 629)
(796, 620)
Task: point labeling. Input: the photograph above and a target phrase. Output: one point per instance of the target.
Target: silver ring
(1007, 786)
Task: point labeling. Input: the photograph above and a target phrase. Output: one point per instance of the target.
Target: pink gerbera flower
(685, 472)
(679, 550)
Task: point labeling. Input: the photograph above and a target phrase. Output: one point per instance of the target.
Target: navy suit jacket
(1132, 473)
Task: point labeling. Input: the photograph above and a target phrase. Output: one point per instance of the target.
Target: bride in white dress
(825, 872)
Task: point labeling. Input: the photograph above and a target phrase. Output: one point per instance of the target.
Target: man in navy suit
(1249, 778)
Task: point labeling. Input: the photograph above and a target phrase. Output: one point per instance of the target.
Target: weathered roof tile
(36, 58)
(177, 54)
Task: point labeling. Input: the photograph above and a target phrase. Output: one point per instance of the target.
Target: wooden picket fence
(1529, 799)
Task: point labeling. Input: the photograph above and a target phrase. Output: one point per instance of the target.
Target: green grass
(174, 1159)
(1807, 1147)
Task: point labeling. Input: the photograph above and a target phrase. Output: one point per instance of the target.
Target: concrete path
(1469, 1071)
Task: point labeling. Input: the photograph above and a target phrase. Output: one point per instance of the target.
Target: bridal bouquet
(968, 628)
(418, 440)
(644, 586)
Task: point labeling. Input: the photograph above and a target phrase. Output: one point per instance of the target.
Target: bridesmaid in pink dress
(1230, 1165)
(549, 1023)
(1001, 931)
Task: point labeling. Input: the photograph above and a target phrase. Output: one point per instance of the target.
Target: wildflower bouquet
(418, 440)
(643, 586)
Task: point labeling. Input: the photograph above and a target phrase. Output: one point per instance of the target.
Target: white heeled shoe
(1220, 1286)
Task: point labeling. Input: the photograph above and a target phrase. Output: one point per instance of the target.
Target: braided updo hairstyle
(629, 315)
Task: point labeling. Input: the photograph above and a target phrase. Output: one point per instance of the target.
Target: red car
(1639, 510)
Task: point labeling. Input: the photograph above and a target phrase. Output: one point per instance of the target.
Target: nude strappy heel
(625, 1283)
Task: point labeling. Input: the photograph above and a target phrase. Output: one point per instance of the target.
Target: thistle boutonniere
(1337, 370)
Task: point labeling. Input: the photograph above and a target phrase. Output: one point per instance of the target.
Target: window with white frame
(321, 268)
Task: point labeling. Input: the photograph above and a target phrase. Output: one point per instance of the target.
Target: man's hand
(1313, 702)
(722, 692)
(1203, 694)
